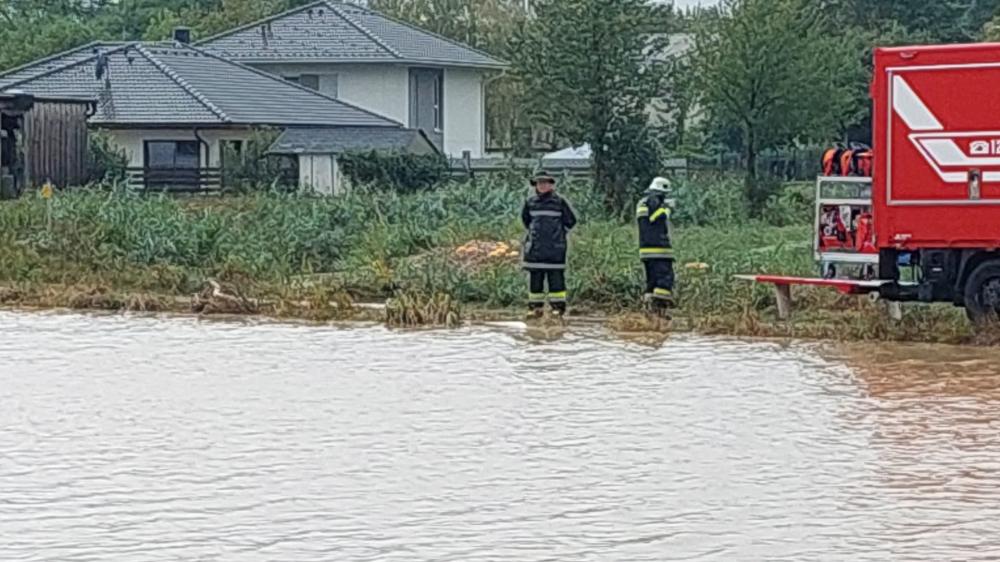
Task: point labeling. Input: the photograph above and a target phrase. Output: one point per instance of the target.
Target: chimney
(182, 35)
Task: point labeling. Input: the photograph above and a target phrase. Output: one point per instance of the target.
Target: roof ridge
(367, 32)
(454, 42)
(54, 56)
(280, 80)
(261, 21)
(51, 71)
(172, 74)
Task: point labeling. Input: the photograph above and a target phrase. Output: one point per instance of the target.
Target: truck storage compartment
(844, 236)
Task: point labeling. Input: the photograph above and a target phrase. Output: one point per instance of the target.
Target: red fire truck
(935, 185)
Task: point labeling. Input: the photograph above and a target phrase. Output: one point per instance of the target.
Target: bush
(793, 204)
(107, 162)
(396, 170)
(250, 168)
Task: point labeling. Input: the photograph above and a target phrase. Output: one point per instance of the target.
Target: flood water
(134, 439)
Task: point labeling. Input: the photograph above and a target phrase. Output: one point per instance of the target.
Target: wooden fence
(41, 140)
(55, 143)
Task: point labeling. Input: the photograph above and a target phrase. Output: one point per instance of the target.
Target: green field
(113, 250)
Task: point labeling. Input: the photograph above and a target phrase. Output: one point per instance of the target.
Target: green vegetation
(595, 85)
(399, 171)
(308, 257)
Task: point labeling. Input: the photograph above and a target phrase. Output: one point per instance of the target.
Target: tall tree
(771, 70)
(927, 21)
(590, 73)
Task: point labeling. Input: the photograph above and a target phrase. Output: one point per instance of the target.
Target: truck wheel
(982, 293)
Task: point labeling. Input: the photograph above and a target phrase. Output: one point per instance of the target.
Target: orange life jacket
(831, 162)
(847, 163)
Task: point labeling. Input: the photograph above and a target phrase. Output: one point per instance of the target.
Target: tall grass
(376, 244)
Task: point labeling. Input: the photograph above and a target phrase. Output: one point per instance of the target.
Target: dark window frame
(439, 103)
(190, 143)
(166, 177)
(307, 80)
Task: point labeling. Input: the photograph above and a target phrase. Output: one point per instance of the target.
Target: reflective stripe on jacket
(653, 216)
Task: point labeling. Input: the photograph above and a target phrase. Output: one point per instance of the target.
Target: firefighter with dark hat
(548, 218)
(655, 248)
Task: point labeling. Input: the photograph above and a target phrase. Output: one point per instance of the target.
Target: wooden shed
(42, 139)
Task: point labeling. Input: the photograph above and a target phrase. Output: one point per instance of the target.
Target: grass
(306, 257)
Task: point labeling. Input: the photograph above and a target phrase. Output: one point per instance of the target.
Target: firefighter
(548, 218)
(655, 249)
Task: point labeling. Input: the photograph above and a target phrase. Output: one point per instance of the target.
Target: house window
(173, 154)
(439, 102)
(310, 81)
(173, 165)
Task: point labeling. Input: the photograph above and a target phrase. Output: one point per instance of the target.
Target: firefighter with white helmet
(655, 248)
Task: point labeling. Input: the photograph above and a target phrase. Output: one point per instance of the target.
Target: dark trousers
(659, 280)
(556, 294)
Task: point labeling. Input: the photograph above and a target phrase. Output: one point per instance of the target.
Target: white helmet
(662, 185)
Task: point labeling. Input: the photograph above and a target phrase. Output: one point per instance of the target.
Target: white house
(173, 108)
(356, 78)
(365, 58)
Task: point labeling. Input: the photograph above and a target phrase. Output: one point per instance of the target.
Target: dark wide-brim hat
(542, 176)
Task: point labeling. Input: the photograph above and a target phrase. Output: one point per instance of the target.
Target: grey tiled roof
(53, 62)
(350, 139)
(337, 32)
(166, 84)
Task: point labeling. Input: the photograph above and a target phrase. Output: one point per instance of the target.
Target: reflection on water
(152, 439)
(934, 424)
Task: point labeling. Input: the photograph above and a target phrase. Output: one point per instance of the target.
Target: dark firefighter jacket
(653, 216)
(548, 218)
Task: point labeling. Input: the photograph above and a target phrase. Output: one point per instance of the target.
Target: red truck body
(936, 137)
(935, 185)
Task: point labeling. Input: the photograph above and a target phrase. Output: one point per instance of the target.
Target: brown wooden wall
(55, 144)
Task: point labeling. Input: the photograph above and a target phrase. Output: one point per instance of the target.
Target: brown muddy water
(135, 439)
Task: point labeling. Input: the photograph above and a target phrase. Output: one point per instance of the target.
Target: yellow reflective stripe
(659, 213)
(536, 296)
(650, 251)
(663, 292)
(559, 295)
(642, 211)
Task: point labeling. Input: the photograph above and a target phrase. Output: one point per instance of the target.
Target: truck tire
(982, 293)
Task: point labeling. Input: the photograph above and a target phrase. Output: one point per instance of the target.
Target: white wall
(385, 89)
(132, 142)
(379, 88)
(464, 112)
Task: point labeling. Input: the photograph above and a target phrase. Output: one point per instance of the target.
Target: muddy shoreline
(216, 302)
